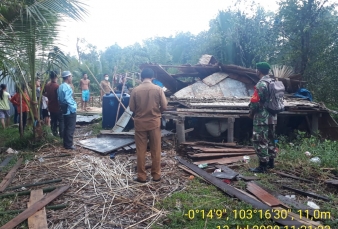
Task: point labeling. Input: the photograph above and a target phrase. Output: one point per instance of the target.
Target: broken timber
(311, 194)
(10, 176)
(34, 208)
(233, 192)
(39, 219)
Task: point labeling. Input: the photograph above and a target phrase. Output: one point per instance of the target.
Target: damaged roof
(212, 72)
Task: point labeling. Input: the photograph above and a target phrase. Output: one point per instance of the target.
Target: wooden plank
(34, 208)
(220, 161)
(5, 162)
(263, 195)
(311, 194)
(211, 110)
(39, 219)
(204, 155)
(292, 176)
(233, 192)
(334, 182)
(223, 150)
(289, 201)
(228, 144)
(10, 176)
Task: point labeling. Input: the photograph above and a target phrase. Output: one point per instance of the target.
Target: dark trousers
(55, 120)
(69, 128)
(24, 120)
(16, 115)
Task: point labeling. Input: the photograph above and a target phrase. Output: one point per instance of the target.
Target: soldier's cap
(65, 74)
(263, 65)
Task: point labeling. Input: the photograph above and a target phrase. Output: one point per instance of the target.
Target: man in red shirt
(53, 105)
(25, 109)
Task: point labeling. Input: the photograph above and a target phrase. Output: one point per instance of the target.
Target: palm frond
(282, 71)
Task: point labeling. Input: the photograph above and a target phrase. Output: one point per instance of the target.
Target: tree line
(302, 34)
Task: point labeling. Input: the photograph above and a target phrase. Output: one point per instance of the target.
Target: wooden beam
(10, 176)
(206, 155)
(211, 110)
(180, 130)
(220, 161)
(231, 122)
(34, 208)
(311, 194)
(314, 124)
(39, 219)
(292, 176)
(224, 150)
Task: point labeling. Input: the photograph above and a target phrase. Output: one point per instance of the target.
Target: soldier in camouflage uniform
(263, 122)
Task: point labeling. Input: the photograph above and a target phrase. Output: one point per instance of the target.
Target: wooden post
(231, 122)
(180, 131)
(314, 123)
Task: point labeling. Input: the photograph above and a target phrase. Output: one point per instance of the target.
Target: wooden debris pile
(216, 153)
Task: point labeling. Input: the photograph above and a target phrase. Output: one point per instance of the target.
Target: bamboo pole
(52, 207)
(25, 193)
(34, 184)
(108, 86)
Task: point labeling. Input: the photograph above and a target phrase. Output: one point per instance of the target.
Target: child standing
(45, 112)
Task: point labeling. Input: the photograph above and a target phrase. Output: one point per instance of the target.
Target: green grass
(10, 137)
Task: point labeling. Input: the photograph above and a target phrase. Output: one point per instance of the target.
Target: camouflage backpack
(275, 103)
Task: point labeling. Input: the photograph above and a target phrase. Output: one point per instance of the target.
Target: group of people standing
(62, 107)
(57, 102)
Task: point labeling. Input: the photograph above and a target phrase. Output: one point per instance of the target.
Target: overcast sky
(126, 22)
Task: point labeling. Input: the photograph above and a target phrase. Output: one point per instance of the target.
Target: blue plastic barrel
(110, 105)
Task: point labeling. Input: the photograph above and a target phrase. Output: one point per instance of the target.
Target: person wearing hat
(68, 108)
(56, 115)
(263, 121)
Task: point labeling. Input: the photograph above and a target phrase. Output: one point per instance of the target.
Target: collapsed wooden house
(218, 95)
